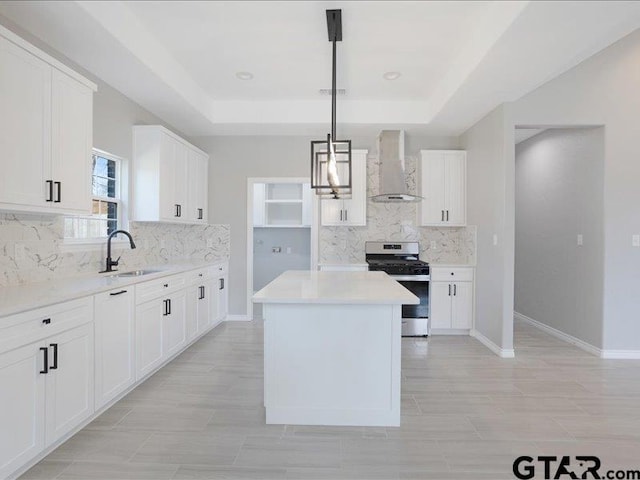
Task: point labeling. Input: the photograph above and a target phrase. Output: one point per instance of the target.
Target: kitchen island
(332, 348)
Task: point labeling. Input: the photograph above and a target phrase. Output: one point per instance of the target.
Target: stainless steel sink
(135, 273)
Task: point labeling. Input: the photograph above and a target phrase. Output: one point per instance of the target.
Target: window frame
(122, 168)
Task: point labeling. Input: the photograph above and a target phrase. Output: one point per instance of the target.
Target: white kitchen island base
(330, 360)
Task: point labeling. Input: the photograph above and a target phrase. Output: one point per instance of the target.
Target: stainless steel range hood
(393, 185)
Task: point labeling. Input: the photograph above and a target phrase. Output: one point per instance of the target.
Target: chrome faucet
(114, 263)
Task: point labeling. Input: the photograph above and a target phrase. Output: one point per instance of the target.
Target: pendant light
(331, 158)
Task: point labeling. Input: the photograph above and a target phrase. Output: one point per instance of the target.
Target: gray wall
(489, 186)
(267, 264)
(559, 194)
(236, 158)
(604, 91)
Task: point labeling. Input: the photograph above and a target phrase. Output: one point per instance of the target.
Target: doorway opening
(281, 232)
(559, 232)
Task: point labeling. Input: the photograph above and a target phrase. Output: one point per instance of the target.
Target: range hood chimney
(393, 185)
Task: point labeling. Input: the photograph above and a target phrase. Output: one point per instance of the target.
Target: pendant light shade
(331, 158)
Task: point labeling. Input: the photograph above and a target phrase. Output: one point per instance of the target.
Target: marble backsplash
(397, 222)
(32, 248)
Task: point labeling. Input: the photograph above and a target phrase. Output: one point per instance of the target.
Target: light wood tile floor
(466, 414)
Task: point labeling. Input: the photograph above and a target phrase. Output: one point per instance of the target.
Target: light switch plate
(495, 239)
(434, 245)
(580, 240)
(635, 240)
(209, 242)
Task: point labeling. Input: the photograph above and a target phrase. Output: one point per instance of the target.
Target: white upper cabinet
(45, 131)
(442, 182)
(198, 172)
(349, 211)
(170, 177)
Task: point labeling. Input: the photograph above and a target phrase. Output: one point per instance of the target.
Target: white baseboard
(587, 347)
(620, 354)
(237, 318)
(501, 352)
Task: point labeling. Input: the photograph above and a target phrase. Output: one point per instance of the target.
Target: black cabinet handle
(449, 289)
(166, 308)
(200, 214)
(177, 210)
(166, 285)
(447, 215)
(55, 356)
(46, 321)
(221, 284)
(201, 289)
(455, 289)
(49, 190)
(346, 215)
(45, 352)
(169, 305)
(113, 294)
(340, 215)
(59, 190)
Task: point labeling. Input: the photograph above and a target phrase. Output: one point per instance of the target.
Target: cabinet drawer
(200, 275)
(31, 326)
(156, 288)
(451, 274)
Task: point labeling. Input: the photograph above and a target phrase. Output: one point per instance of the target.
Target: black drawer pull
(166, 308)
(45, 351)
(46, 321)
(169, 307)
(113, 294)
(59, 195)
(55, 356)
(49, 190)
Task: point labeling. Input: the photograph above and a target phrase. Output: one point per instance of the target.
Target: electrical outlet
(433, 245)
(163, 243)
(495, 239)
(635, 240)
(288, 250)
(19, 253)
(580, 240)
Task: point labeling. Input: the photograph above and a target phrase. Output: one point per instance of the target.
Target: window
(106, 201)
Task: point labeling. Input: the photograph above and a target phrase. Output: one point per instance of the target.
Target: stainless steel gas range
(401, 261)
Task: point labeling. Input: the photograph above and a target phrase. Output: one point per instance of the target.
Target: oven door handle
(411, 278)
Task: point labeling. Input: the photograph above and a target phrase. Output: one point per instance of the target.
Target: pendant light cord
(333, 95)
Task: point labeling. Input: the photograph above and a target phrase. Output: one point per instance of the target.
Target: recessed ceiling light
(391, 75)
(244, 75)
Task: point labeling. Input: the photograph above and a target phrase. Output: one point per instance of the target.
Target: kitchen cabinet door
(222, 298)
(71, 143)
(198, 171)
(332, 212)
(174, 324)
(181, 179)
(70, 381)
(206, 300)
(432, 188)
(148, 337)
(193, 304)
(25, 127)
(167, 174)
(114, 344)
(462, 305)
(440, 298)
(22, 406)
(355, 208)
(455, 188)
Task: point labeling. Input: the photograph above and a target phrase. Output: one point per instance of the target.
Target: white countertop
(335, 287)
(21, 298)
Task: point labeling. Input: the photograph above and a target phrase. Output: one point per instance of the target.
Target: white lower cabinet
(59, 365)
(46, 379)
(174, 326)
(451, 298)
(70, 379)
(222, 297)
(22, 406)
(114, 343)
(148, 337)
